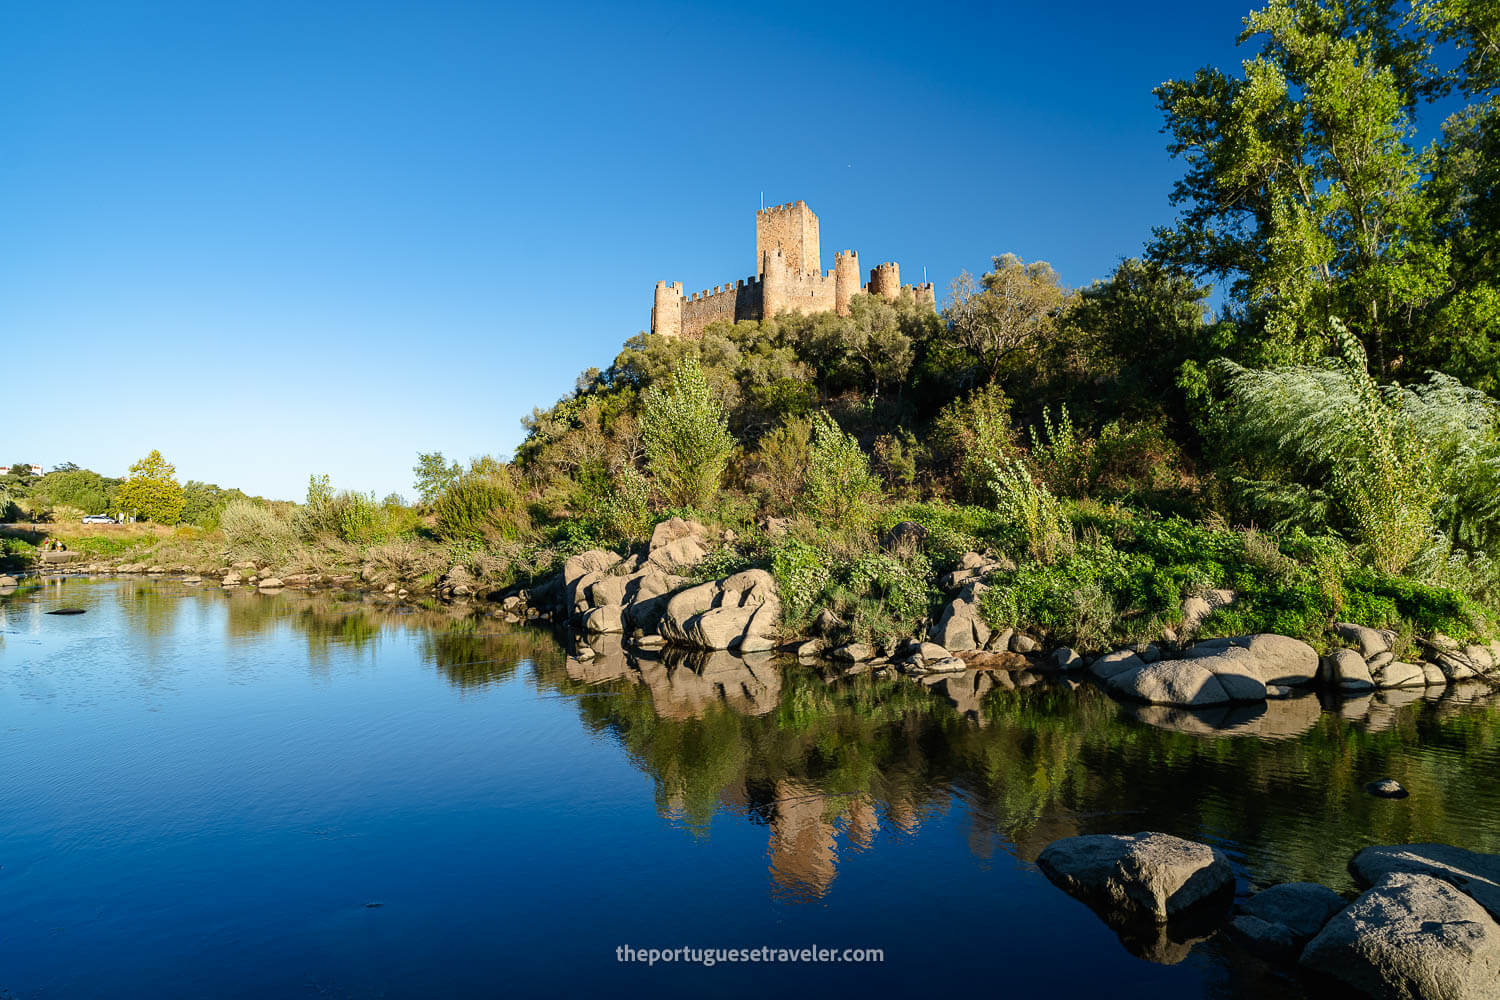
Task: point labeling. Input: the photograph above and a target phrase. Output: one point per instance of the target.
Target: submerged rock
(1386, 788)
(1277, 922)
(1151, 875)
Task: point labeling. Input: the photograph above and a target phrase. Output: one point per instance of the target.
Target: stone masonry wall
(793, 229)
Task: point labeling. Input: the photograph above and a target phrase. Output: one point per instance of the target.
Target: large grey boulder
(677, 544)
(1346, 669)
(1271, 658)
(1412, 937)
(1171, 682)
(1474, 874)
(1117, 662)
(958, 627)
(1152, 875)
(1277, 922)
(1370, 642)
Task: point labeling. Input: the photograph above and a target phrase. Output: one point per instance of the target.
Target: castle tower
(885, 281)
(845, 280)
(793, 229)
(773, 285)
(666, 311)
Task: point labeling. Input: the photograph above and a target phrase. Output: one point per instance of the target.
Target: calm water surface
(226, 795)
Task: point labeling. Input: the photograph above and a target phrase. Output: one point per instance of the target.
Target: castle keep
(789, 278)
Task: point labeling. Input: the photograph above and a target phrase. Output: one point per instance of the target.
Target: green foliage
(16, 554)
(80, 488)
(970, 436)
(625, 510)
(778, 467)
(802, 573)
(433, 476)
(253, 531)
(1030, 508)
(204, 503)
(152, 491)
(841, 489)
(686, 437)
(482, 504)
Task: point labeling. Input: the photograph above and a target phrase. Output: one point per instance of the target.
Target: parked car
(98, 519)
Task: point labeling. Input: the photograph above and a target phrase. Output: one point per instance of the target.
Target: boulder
(1117, 662)
(684, 605)
(1277, 922)
(1065, 658)
(1398, 675)
(8, 581)
(1369, 641)
(605, 619)
(904, 536)
(1386, 788)
(1433, 675)
(1271, 658)
(1347, 670)
(1152, 875)
(1171, 682)
(719, 628)
(1023, 644)
(955, 629)
(676, 543)
(1474, 874)
(1411, 936)
(271, 583)
(855, 652)
(1196, 609)
(945, 665)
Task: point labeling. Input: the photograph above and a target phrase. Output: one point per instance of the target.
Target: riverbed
(214, 793)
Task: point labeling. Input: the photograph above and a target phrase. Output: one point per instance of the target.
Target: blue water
(213, 795)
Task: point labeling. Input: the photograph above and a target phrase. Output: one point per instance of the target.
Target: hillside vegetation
(1325, 445)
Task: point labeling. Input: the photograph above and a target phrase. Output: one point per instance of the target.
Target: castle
(789, 278)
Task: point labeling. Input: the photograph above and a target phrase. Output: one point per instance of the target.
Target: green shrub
(482, 505)
(255, 532)
(686, 437)
(1031, 509)
(802, 573)
(841, 489)
(625, 509)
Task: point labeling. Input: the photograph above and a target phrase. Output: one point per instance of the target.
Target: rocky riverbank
(1425, 925)
(657, 597)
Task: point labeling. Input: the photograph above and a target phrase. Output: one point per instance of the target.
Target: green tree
(840, 487)
(1302, 186)
(151, 491)
(1006, 316)
(434, 474)
(686, 436)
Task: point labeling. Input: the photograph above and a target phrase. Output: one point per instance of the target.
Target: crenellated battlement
(789, 278)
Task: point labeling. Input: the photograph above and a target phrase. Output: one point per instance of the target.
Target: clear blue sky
(273, 239)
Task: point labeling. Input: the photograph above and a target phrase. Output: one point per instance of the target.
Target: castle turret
(885, 281)
(793, 229)
(845, 280)
(666, 311)
(774, 281)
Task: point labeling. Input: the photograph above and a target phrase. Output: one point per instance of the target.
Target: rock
(945, 665)
(271, 583)
(684, 605)
(1117, 662)
(855, 652)
(1380, 660)
(608, 590)
(810, 648)
(244, 564)
(719, 628)
(194, 578)
(1171, 682)
(827, 623)
(1480, 657)
(677, 543)
(1411, 936)
(1399, 675)
(605, 619)
(904, 536)
(775, 527)
(1023, 644)
(1271, 658)
(8, 581)
(1433, 675)
(230, 580)
(582, 565)
(1151, 874)
(1386, 788)
(1369, 641)
(1278, 921)
(1065, 658)
(956, 627)
(1346, 669)
(1196, 609)
(1000, 641)
(932, 651)
(1474, 874)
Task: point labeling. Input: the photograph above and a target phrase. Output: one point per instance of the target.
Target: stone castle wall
(789, 279)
